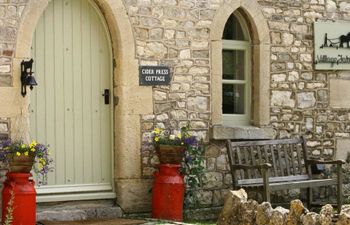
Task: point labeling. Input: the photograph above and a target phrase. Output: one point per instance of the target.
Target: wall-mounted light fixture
(27, 78)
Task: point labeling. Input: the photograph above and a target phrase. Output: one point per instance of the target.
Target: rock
(344, 216)
(296, 210)
(279, 77)
(5, 68)
(282, 98)
(198, 103)
(325, 216)
(309, 219)
(229, 212)
(159, 95)
(287, 38)
(212, 180)
(212, 151)
(344, 7)
(279, 216)
(263, 214)
(331, 6)
(247, 212)
(3, 128)
(306, 100)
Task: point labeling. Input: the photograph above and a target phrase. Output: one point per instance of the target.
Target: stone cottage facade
(287, 96)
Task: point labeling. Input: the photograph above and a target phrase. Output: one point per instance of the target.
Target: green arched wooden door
(73, 65)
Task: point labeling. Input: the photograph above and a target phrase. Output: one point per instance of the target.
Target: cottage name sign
(332, 45)
(154, 75)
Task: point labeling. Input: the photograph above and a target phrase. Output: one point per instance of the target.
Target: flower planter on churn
(170, 154)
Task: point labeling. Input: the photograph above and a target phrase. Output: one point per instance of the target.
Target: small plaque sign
(154, 75)
(332, 45)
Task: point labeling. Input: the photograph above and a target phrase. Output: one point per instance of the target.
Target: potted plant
(182, 147)
(23, 158)
(171, 147)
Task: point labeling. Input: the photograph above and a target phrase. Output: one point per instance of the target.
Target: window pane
(233, 29)
(233, 64)
(233, 99)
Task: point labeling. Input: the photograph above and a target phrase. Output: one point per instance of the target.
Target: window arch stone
(260, 39)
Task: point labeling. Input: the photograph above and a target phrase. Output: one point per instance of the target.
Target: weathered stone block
(198, 103)
(5, 68)
(339, 93)
(222, 163)
(282, 98)
(5, 80)
(263, 214)
(159, 95)
(178, 114)
(306, 100)
(279, 77)
(133, 195)
(229, 213)
(212, 180)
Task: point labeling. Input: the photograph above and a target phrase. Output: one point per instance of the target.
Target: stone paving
(118, 221)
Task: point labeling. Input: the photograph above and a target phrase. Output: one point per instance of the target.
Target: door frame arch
(131, 100)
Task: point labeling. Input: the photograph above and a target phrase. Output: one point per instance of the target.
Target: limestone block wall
(10, 14)
(177, 33)
(239, 210)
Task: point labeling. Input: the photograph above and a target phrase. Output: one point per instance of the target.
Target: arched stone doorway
(131, 101)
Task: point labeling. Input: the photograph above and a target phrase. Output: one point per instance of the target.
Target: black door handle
(106, 95)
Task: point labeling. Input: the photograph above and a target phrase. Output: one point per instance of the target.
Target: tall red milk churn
(168, 193)
(19, 196)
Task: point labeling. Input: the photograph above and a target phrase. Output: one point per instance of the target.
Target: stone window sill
(242, 132)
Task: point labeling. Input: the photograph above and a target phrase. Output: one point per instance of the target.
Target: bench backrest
(287, 157)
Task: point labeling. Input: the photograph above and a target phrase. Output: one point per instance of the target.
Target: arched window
(236, 72)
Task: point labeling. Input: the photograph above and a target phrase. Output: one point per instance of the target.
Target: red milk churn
(19, 196)
(168, 193)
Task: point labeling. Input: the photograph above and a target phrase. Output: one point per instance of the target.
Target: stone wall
(10, 14)
(176, 33)
(238, 210)
(4, 128)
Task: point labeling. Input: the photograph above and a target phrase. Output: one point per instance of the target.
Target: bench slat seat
(302, 184)
(281, 164)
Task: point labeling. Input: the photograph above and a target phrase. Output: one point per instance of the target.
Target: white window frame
(240, 119)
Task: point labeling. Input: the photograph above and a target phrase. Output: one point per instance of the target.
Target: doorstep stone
(81, 210)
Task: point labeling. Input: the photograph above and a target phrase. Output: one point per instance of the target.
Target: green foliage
(193, 161)
(193, 168)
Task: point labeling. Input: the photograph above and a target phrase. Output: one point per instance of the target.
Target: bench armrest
(315, 161)
(260, 166)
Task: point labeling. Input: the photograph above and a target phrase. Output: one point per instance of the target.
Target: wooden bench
(271, 165)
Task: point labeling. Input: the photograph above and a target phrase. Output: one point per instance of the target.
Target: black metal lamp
(27, 78)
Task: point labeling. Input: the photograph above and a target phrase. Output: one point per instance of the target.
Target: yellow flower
(26, 153)
(156, 139)
(32, 149)
(42, 161)
(157, 130)
(172, 137)
(179, 135)
(33, 144)
(18, 153)
(182, 143)
(23, 146)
